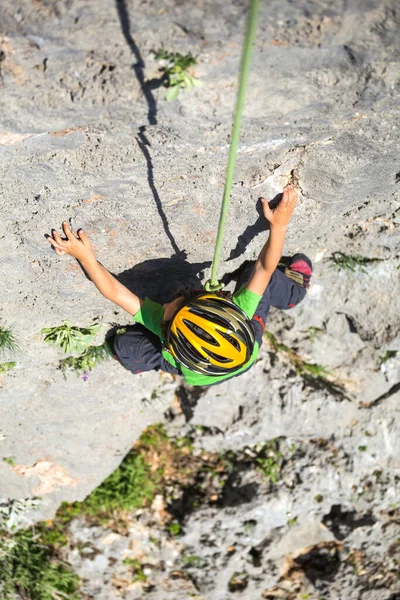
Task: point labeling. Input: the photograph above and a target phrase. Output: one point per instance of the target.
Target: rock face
(87, 135)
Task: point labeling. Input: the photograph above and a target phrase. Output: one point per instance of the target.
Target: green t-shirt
(151, 315)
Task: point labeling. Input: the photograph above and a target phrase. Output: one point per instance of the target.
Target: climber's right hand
(279, 217)
(76, 244)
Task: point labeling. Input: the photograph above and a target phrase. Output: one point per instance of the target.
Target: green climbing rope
(213, 285)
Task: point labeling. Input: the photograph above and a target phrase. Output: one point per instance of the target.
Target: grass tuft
(128, 487)
(302, 367)
(30, 569)
(314, 374)
(8, 341)
(351, 262)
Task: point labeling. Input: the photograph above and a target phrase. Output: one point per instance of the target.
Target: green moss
(174, 528)
(318, 498)
(362, 448)
(277, 346)
(69, 511)
(52, 533)
(302, 367)
(249, 526)
(9, 460)
(313, 370)
(132, 485)
(183, 442)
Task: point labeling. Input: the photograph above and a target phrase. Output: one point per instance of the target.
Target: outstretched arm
(78, 245)
(272, 251)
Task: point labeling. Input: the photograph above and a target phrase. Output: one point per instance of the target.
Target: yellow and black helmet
(211, 335)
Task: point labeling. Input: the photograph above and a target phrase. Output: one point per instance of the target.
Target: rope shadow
(139, 66)
(141, 138)
(144, 144)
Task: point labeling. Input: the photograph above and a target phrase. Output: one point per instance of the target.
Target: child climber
(207, 337)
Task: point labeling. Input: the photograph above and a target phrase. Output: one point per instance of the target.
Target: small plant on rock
(311, 373)
(13, 512)
(193, 561)
(7, 366)
(174, 528)
(238, 582)
(269, 460)
(175, 72)
(73, 340)
(387, 355)
(351, 262)
(86, 361)
(30, 569)
(314, 332)
(137, 568)
(8, 345)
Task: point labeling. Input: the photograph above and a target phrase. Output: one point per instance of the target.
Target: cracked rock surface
(86, 135)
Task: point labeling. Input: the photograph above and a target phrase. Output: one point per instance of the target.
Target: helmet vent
(210, 316)
(230, 339)
(221, 359)
(203, 335)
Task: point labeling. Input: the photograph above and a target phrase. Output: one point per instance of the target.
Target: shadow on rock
(144, 146)
(252, 231)
(342, 523)
(234, 495)
(319, 563)
(138, 67)
(163, 279)
(188, 398)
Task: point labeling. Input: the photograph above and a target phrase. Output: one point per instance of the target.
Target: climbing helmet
(211, 335)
